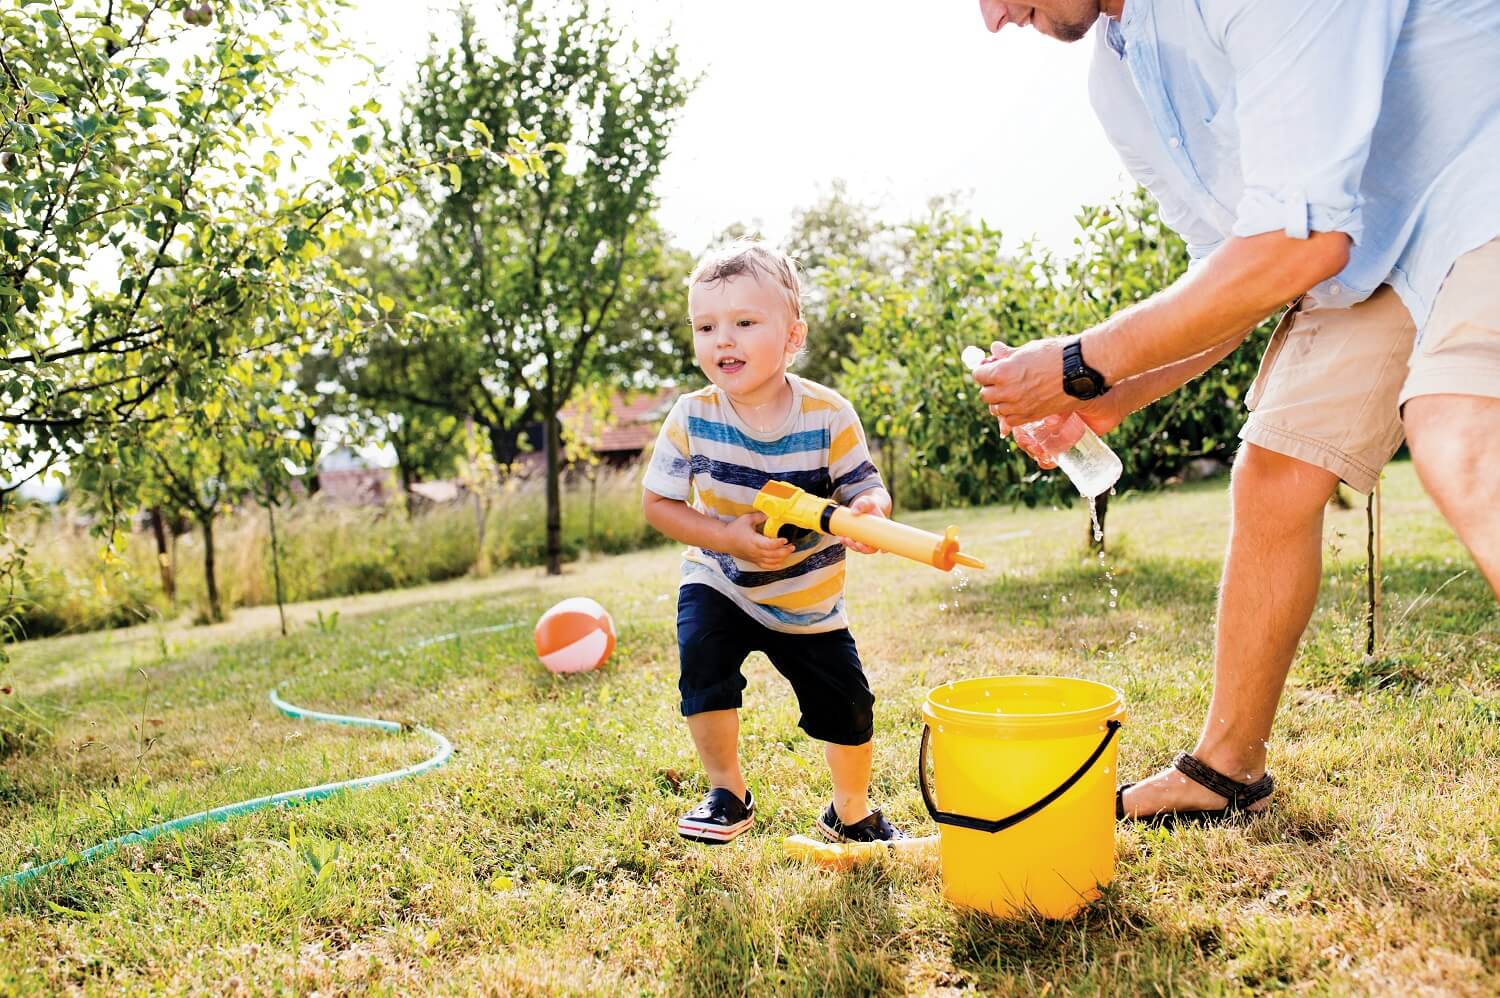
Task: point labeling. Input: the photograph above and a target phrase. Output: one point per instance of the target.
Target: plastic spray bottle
(1087, 461)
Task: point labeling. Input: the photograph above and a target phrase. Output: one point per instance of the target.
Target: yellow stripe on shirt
(842, 444)
(829, 588)
(723, 505)
(679, 438)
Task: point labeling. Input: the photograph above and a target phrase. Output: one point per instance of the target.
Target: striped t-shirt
(707, 455)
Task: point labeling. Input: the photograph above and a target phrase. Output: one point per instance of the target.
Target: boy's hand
(744, 540)
(876, 502)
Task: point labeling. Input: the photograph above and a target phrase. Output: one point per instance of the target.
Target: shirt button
(1334, 288)
(1174, 142)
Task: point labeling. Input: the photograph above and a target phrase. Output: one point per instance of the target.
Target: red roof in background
(632, 422)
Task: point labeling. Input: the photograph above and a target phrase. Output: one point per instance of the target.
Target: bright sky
(904, 100)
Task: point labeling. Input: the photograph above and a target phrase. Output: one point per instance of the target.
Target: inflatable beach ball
(576, 635)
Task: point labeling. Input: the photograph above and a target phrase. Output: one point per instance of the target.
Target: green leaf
(455, 176)
(386, 302)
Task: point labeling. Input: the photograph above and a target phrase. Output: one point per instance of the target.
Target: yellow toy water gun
(843, 855)
(788, 506)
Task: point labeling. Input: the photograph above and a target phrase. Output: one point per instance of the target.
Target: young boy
(742, 591)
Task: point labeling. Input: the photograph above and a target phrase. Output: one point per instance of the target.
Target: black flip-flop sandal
(1239, 795)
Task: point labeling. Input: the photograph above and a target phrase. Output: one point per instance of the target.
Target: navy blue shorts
(714, 636)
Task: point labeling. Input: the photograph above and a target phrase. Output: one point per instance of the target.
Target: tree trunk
(502, 447)
(215, 608)
(276, 568)
(481, 516)
(163, 556)
(403, 470)
(593, 497)
(1101, 509)
(554, 496)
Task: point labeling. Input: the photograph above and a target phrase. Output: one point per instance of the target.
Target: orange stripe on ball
(575, 635)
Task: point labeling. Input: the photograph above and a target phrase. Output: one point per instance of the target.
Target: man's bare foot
(1170, 790)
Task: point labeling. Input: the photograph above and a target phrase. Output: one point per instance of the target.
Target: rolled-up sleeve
(1309, 76)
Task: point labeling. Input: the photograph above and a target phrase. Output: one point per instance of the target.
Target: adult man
(1342, 154)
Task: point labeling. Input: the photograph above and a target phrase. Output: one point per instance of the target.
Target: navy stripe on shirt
(815, 481)
(865, 470)
(750, 580)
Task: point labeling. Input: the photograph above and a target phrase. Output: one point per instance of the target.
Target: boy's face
(744, 334)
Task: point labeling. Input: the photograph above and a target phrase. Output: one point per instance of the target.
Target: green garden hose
(289, 798)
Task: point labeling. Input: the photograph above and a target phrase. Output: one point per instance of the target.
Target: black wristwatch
(1080, 380)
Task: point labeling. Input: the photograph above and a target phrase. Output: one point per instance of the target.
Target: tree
(952, 287)
(243, 443)
(537, 266)
(152, 232)
(834, 232)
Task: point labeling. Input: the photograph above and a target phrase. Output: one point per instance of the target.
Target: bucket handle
(1000, 824)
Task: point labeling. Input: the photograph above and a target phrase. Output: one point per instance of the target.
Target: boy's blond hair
(753, 257)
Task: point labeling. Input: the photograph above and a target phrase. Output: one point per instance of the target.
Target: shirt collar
(1115, 37)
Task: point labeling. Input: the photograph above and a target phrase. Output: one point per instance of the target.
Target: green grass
(543, 858)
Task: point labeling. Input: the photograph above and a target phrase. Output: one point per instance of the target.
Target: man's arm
(1237, 286)
(1161, 340)
(1304, 140)
(1109, 410)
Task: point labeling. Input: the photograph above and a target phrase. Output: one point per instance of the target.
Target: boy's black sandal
(871, 828)
(1240, 796)
(719, 818)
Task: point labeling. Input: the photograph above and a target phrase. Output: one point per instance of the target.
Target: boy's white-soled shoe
(871, 828)
(720, 817)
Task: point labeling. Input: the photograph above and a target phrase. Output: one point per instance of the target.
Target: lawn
(543, 858)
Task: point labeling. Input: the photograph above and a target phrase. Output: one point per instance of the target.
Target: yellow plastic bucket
(1024, 771)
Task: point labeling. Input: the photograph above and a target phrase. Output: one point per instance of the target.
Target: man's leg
(1455, 444)
(1266, 597)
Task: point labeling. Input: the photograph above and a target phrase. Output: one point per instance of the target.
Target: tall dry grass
(71, 584)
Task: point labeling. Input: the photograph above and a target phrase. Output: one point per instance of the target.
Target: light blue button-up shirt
(1378, 118)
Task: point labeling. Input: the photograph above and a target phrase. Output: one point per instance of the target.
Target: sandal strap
(1239, 795)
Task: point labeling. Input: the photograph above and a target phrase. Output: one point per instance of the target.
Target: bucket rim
(1112, 708)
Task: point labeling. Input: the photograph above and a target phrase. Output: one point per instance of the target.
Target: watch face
(1081, 386)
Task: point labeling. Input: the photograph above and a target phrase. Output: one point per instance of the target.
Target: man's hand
(743, 539)
(876, 502)
(1024, 384)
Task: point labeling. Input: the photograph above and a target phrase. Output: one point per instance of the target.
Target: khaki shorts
(1333, 380)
